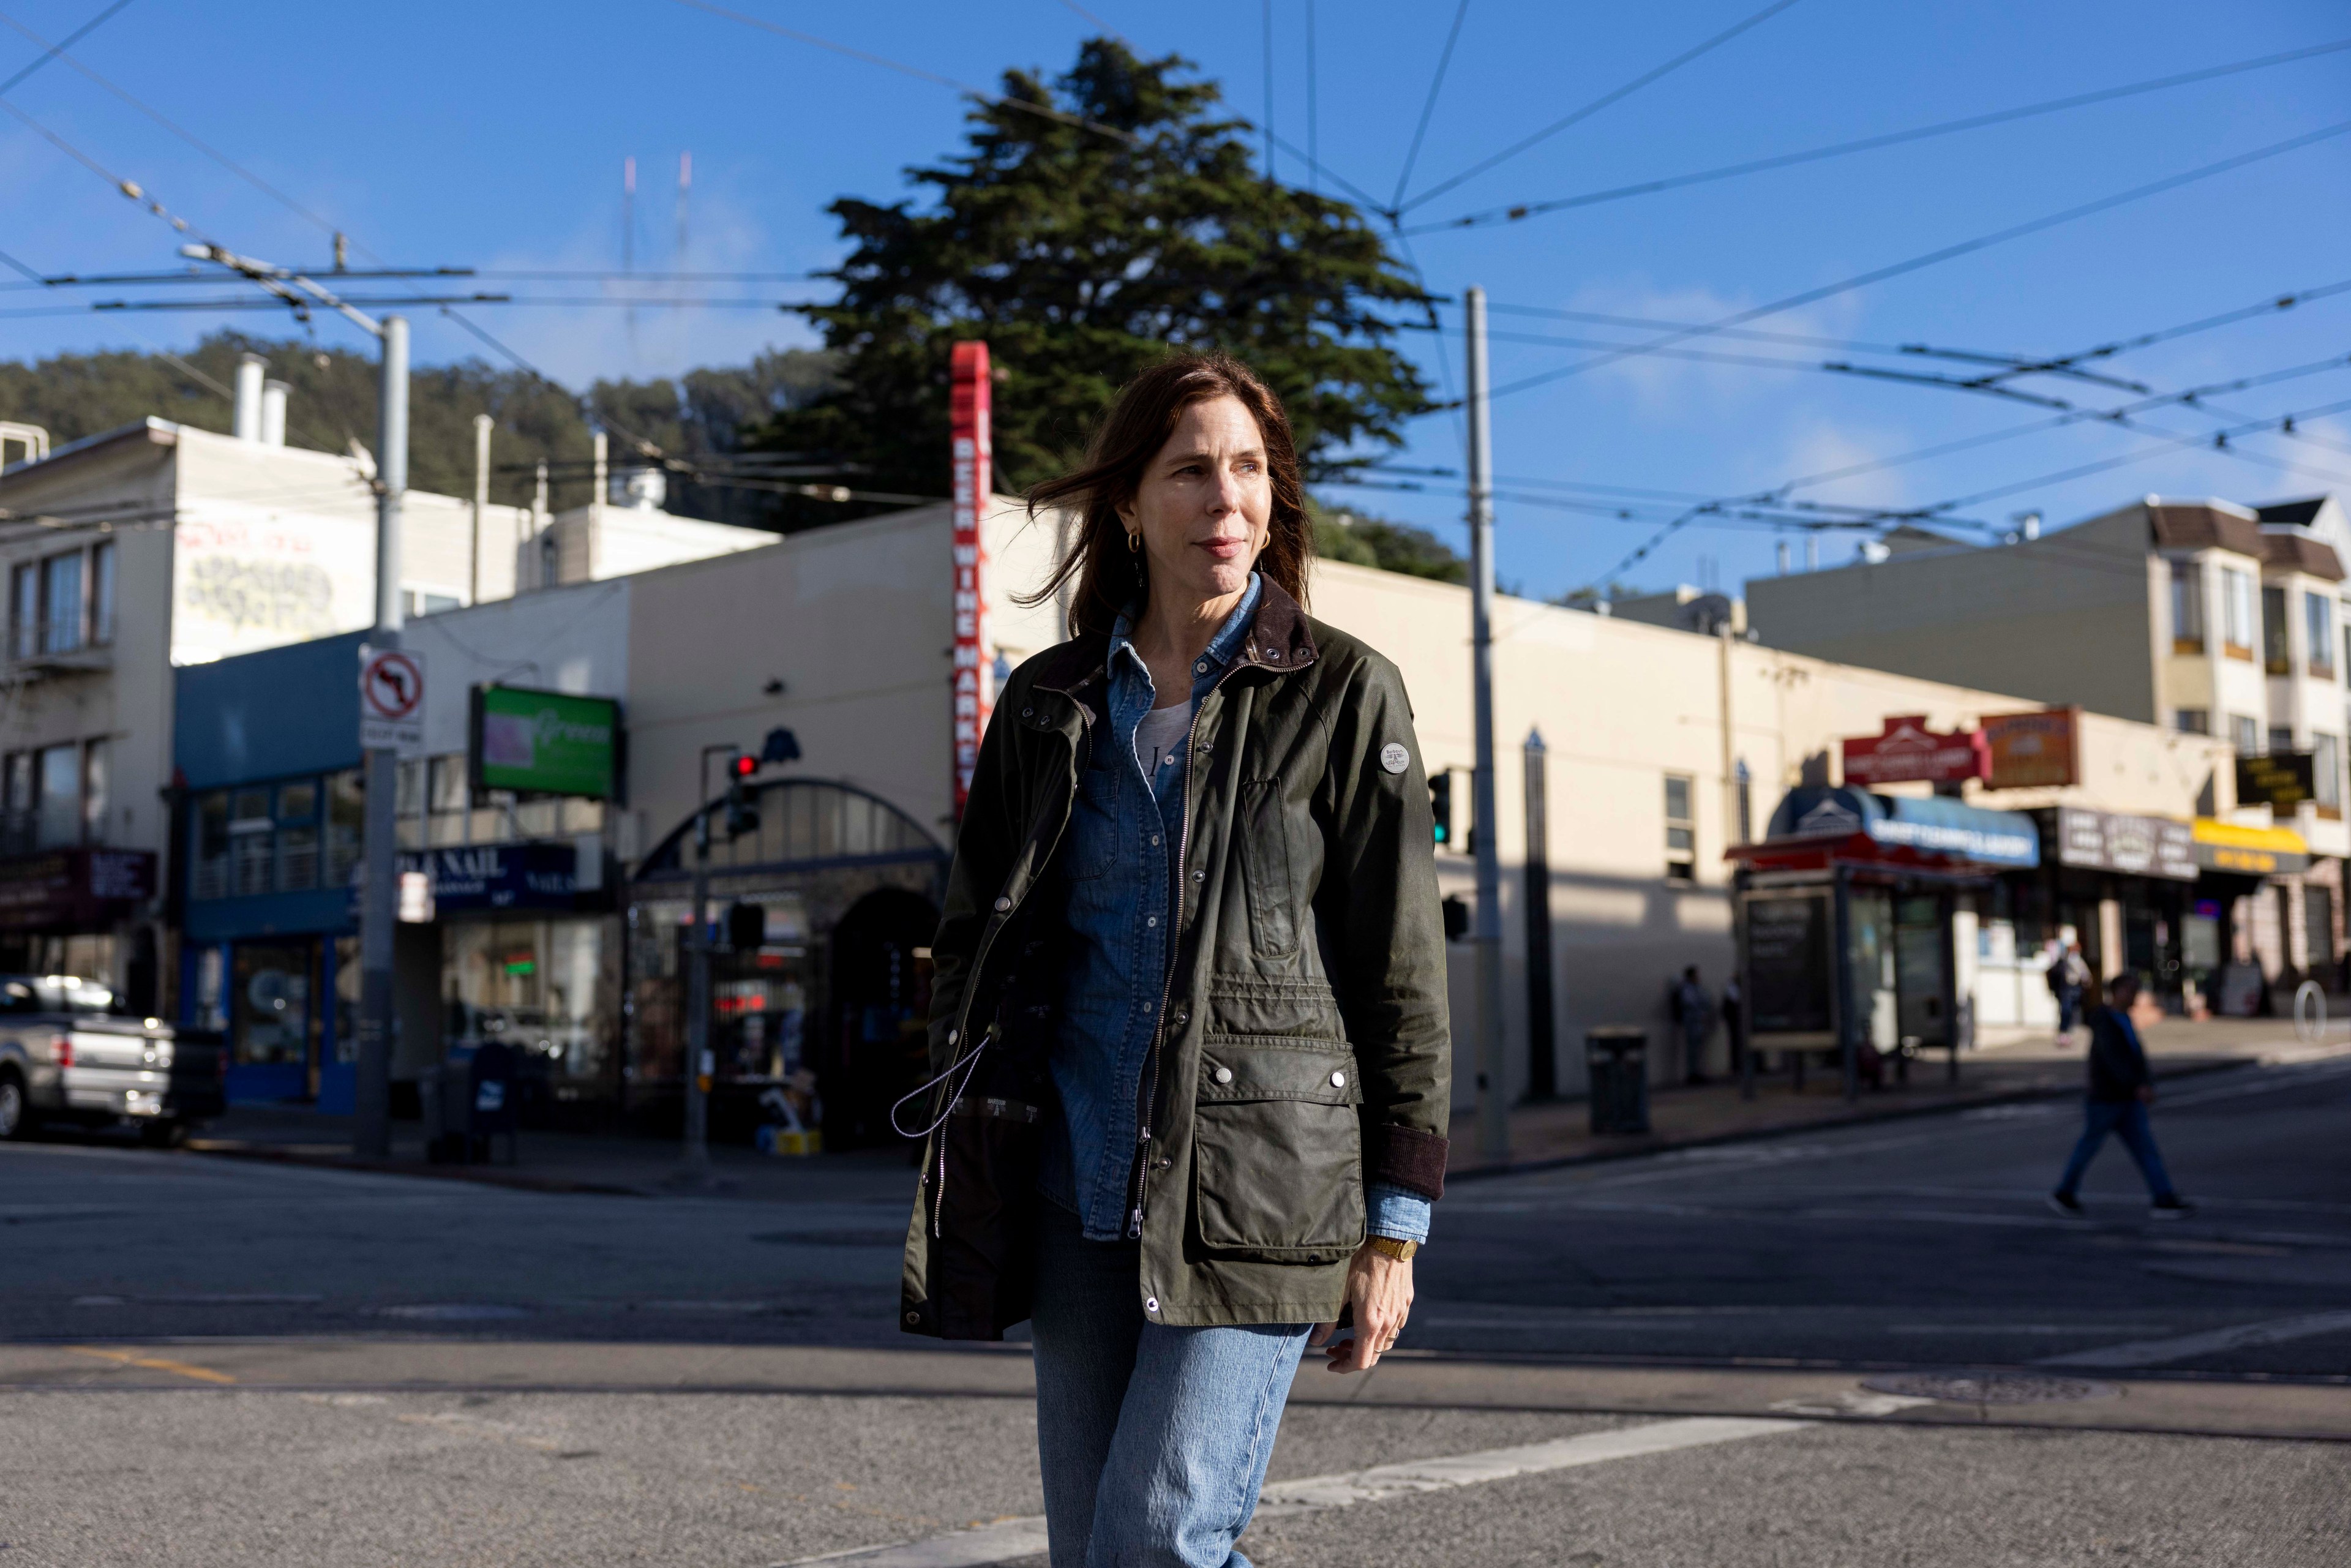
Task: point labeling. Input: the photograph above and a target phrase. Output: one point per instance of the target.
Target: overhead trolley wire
(1613, 95)
(1939, 255)
(54, 50)
(1523, 210)
(1429, 106)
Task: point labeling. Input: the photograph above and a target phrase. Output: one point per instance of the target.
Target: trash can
(1617, 1058)
(470, 1101)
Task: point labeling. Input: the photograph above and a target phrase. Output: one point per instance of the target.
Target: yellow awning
(2230, 835)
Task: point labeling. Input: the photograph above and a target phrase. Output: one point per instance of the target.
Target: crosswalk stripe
(1007, 1540)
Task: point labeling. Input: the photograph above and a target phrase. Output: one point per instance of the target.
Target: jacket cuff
(1408, 1158)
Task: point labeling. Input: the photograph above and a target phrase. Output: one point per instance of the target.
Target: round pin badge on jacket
(1395, 758)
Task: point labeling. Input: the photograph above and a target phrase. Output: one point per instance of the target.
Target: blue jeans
(2125, 1119)
(1153, 1439)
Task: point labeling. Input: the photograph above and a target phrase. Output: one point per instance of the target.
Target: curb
(222, 1148)
(1857, 1118)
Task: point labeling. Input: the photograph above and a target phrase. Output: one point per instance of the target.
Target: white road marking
(1010, 1539)
(1851, 1402)
(2159, 1351)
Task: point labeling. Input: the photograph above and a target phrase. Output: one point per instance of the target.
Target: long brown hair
(1109, 575)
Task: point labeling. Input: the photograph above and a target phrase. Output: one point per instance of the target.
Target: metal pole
(697, 1062)
(482, 425)
(379, 902)
(1493, 1076)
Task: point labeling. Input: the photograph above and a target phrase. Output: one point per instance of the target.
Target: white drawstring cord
(968, 1066)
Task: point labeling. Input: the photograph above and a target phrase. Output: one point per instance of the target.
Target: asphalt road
(213, 1360)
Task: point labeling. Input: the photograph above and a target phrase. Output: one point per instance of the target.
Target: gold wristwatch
(1401, 1252)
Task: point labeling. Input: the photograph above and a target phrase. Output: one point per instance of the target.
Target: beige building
(2201, 616)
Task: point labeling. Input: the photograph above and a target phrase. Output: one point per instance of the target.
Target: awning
(1935, 829)
(2249, 851)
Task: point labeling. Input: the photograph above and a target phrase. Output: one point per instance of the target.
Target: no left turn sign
(391, 701)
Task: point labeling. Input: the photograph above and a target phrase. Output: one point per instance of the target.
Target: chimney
(273, 413)
(246, 424)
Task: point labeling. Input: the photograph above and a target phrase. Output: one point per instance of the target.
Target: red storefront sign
(974, 484)
(1909, 753)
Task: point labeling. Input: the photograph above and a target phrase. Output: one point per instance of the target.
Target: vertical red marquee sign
(974, 485)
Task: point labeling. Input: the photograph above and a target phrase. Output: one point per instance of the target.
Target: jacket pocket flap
(1303, 1008)
(1234, 1070)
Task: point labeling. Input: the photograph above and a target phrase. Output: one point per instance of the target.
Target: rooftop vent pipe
(273, 413)
(245, 425)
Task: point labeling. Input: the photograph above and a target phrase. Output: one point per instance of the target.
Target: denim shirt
(1117, 881)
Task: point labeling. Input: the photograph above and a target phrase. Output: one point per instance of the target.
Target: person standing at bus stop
(1189, 1007)
(2122, 1086)
(2069, 979)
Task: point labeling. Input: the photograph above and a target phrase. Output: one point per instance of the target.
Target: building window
(23, 611)
(2237, 612)
(297, 836)
(2327, 771)
(208, 875)
(252, 847)
(19, 797)
(61, 603)
(2187, 607)
(2245, 734)
(2192, 720)
(1681, 830)
(445, 800)
(2277, 653)
(57, 774)
(101, 594)
(2319, 623)
(97, 769)
(346, 825)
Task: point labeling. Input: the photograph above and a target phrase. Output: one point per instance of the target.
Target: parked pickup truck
(67, 1055)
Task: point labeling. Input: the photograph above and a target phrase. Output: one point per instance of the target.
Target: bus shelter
(1846, 918)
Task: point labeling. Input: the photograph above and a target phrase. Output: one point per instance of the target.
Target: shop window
(2277, 653)
(97, 771)
(2192, 720)
(208, 876)
(346, 825)
(2187, 607)
(1681, 830)
(2318, 924)
(2245, 734)
(252, 843)
(269, 1004)
(58, 815)
(2326, 770)
(533, 985)
(2237, 613)
(2318, 625)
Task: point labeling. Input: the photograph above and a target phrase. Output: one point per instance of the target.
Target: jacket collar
(1278, 638)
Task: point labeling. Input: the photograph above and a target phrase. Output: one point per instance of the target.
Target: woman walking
(1190, 1010)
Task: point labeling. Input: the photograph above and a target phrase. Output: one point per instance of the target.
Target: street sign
(1908, 752)
(391, 701)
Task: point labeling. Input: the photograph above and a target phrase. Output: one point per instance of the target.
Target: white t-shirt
(1159, 738)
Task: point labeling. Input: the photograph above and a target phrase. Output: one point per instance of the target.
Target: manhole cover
(1987, 1387)
(454, 1312)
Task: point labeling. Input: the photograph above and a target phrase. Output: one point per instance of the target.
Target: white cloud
(1663, 382)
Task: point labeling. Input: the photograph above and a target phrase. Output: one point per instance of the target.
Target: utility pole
(1493, 1075)
(379, 900)
(698, 1065)
(482, 425)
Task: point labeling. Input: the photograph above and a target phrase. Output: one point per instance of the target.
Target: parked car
(66, 1055)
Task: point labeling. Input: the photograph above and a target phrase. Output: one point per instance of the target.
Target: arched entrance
(838, 984)
(881, 1006)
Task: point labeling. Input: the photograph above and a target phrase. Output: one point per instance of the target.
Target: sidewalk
(619, 1164)
(1556, 1133)
(2020, 1067)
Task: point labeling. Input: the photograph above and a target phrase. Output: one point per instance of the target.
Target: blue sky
(492, 136)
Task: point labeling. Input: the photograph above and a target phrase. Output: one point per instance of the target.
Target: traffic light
(747, 926)
(1440, 805)
(742, 800)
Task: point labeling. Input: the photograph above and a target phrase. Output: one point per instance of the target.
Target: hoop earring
(1134, 542)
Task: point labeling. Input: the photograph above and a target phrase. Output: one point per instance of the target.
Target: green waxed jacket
(1303, 1048)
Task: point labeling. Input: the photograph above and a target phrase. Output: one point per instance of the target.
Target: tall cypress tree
(1083, 252)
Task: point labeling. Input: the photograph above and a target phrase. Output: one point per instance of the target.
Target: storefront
(64, 911)
(831, 999)
(2249, 881)
(1848, 915)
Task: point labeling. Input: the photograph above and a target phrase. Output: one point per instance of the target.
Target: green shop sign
(546, 743)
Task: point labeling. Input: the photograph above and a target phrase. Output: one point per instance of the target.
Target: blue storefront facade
(516, 938)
